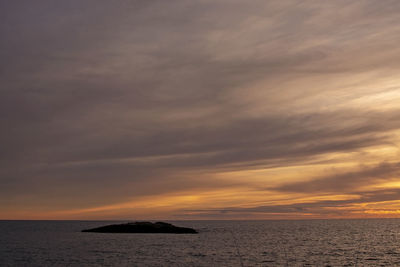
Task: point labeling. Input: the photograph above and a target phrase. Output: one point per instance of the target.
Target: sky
(208, 109)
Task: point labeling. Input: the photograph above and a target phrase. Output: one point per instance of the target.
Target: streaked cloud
(110, 104)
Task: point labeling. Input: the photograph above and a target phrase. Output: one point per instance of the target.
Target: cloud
(119, 99)
(316, 209)
(345, 182)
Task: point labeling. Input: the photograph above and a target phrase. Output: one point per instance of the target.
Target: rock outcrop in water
(143, 227)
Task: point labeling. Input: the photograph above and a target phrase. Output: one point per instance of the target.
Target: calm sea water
(259, 243)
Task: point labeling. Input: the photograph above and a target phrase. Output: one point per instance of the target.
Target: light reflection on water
(373, 242)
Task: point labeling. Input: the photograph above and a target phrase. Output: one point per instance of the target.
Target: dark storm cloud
(101, 98)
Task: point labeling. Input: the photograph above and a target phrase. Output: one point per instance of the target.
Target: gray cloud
(317, 208)
(101, 98)
(346, 182)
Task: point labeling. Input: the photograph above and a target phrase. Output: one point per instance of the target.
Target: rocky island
(143, 227)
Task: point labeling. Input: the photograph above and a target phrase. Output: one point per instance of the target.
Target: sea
(359, 242)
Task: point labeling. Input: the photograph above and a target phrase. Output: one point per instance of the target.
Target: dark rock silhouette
(143, 227)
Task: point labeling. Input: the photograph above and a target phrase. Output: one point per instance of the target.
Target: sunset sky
(208, 109)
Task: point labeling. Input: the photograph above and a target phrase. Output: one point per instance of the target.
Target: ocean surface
(373, 242)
